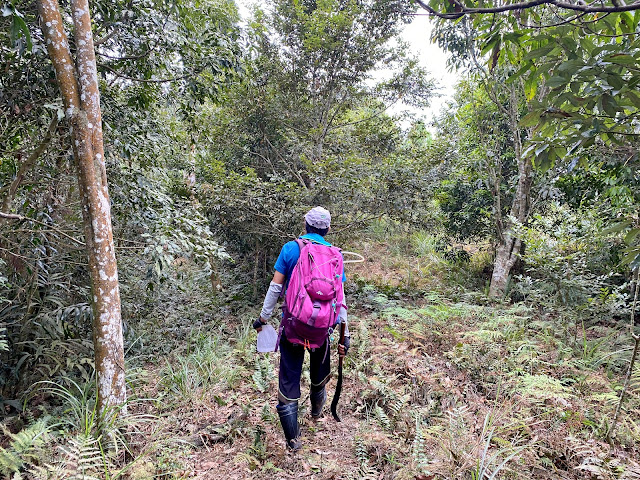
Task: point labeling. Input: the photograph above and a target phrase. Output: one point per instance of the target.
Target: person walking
(293, 335)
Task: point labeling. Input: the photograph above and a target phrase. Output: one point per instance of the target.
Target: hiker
(317, 224)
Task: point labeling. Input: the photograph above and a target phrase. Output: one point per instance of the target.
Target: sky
(431, 57)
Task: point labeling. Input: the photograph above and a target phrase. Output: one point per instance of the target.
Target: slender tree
(78, 82)
(509, 244)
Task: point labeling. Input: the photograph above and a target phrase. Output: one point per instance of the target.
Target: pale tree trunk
(78, 84)
(509, 245)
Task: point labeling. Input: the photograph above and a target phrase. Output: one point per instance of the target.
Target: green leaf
(491, 43)
(556, 81)
(627, 19)
(570, 66)
(539, 52)
(542, 160)
(528, 66)
(18, 29)
(531, 87)
(631, 236)
(621, 59)
(634, 97)
(615, 81)
(617, 227)
(530, 119)
(609, 105)
(587, 45)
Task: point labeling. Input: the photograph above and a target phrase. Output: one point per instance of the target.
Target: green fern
(382, 418)
(365, 470)
(397, 406)
(363, 339)
(82, 458)
(263, 374)
(419, 447)
(542, 387)
(23, 446)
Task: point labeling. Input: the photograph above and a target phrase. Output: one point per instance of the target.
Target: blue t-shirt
(291, 252)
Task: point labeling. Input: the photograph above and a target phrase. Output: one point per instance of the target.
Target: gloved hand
(343, 349)
(258, 324)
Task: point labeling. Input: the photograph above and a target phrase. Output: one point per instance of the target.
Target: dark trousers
(291, 359)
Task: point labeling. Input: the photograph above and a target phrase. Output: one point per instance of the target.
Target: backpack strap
(301, 242)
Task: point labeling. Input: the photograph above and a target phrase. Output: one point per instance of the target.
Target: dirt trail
(432, 390)
(332, 450)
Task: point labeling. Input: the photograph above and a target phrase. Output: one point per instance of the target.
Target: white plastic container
(267, 338)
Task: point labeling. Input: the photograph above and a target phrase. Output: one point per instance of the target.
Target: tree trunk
(78, 84)
(509, 245)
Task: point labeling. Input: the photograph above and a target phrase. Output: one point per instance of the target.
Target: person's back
(292, 344)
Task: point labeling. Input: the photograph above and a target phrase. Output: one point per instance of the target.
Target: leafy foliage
(567, 252)
(23, 447)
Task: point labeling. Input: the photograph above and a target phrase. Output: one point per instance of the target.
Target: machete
(336, 396)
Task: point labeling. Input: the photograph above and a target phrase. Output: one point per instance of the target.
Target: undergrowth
(441, 384)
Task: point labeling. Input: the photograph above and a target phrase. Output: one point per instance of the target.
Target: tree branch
(106, 38)
(12, 216)
(28, 163)
(585, 8)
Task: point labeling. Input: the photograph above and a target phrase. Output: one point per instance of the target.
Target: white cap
(318, 217)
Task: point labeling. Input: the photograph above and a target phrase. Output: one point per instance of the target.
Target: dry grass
(434, 389)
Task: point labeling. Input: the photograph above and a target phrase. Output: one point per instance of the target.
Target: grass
(440, 383)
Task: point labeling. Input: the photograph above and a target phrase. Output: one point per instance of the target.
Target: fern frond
(82, 458)
(419, 450)
(263, 374)
(23, 446)
(363, 339)
(366, 471)
(48, 472)
(542, 387)
(397, 405)
(382, 418)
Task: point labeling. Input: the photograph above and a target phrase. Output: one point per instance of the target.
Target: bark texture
(78, 83)
(509, 245)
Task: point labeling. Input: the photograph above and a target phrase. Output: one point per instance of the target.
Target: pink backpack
(314, 295)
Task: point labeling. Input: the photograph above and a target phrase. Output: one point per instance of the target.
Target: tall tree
(575, 62)
(509, 244)
(78, 82)
(488, 140)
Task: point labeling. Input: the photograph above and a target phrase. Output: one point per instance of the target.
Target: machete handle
(336, 395)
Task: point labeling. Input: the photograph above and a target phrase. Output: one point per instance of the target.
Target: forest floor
(436, 386)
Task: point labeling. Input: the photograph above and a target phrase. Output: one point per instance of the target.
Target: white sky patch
(417, 34)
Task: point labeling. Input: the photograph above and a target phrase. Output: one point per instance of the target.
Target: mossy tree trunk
(78, 82)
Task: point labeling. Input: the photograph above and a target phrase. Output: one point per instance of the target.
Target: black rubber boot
(318, 399)
(289, 419)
